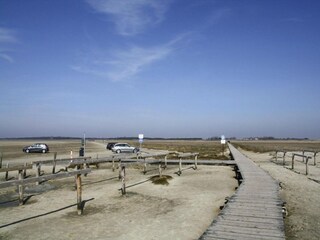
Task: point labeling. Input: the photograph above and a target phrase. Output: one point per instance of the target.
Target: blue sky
(166, 68)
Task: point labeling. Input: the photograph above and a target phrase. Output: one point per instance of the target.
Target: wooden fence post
(314, 158)
(113, 167)
(292, 164)
(119, 166)
(165, 161)
(54, 163)
(79, 195)
(307, 159)
(21, 189)
(180, 166)
(123, 180)
(145, 166)
(1, 156)
(276, 156)
(38, 171)
(25, 171)
(160, 169)
(196, 162)
(284, 155)
(7, 173)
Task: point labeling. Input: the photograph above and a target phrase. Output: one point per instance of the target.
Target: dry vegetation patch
(269, 146)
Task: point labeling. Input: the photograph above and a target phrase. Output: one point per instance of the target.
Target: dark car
(37, 147)
(110, 145)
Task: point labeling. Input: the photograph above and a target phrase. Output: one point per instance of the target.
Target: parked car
(124, 147)
(37, 147)
(110, 145)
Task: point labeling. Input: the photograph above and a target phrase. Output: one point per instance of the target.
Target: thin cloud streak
(126, 64)
(131, 17)
(6, 57)
(7, 36)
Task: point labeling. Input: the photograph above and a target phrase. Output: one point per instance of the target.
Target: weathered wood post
(85, 166)
(25, 171)
(20, 189)
(123, 180)
(113, 167)
(276, 156)
(1, 156)
(79, 195)
(119, 167)
(284, 155)
(160, 169)
(144, 166)
(196, 162)
(307, 170)
(54, 163)
(180, 166)
(292, 164)
(38, 171)
(165, 161)
(7, 173)
(314, 158)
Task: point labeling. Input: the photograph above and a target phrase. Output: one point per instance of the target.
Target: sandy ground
(183, 209)
(301, 194)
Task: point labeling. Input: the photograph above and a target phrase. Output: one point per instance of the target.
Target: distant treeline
(96, 138)
(153, 138)
(274, 138)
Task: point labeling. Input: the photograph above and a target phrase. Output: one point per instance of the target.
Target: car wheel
(43, 151)
(118, 151)
(135, 150)
(27, 151)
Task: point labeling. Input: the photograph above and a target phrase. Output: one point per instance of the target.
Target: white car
(123, 147)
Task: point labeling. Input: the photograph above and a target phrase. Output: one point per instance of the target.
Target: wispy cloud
(131, 17)
(7, 36)
(125, 64)
(293, 20)
(6, 57)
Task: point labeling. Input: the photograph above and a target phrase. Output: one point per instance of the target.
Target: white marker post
(140, 136)
(223, 142)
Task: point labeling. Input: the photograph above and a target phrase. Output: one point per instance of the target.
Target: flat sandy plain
(183, 209)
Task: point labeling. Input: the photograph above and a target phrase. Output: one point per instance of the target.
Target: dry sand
(183, 209)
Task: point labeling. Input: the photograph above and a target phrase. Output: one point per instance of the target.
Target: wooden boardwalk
(254, 211)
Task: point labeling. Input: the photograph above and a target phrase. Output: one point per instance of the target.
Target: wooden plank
(50, 162)
(250, 230)
(246, 224)
(44, 178)
(247, 219)
(245, 236)
(254, 213)
(214, 234)
(15, 168)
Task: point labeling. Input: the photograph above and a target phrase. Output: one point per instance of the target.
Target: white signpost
(223, 139)
(223, 142)
(140, 136)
